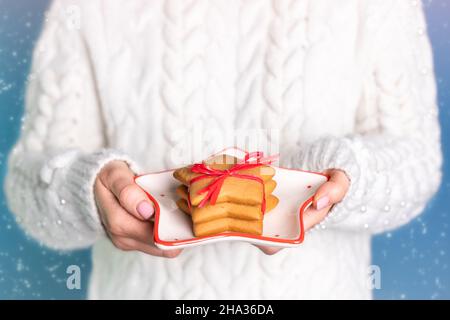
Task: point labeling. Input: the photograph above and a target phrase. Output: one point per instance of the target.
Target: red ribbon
(251, 160)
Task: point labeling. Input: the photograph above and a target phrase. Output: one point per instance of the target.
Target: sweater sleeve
(52, 168)
(395, 167)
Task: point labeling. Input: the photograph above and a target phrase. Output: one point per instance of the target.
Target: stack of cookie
(238, 207)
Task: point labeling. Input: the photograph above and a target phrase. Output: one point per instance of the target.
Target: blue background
(414, 259)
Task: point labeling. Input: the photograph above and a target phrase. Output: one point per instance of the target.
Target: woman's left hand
(328, 194)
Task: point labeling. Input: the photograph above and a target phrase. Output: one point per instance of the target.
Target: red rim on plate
(175, 243)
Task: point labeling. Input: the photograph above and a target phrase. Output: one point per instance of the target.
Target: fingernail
(323, 202)
(145, 209)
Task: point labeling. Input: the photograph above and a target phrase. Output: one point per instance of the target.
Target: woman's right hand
(125, 210)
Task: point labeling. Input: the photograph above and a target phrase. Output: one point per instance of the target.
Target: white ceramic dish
(283, 226)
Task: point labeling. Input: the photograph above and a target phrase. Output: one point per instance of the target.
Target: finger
(155, 251)
(332, 191)
(118, 221)
(127, 244)
(143, 244)
(102, 195)
(152, 249)
(268, 250)
(313, 216)
(125, 231)
(120, 180)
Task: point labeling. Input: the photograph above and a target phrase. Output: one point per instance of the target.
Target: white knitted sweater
(348, 84)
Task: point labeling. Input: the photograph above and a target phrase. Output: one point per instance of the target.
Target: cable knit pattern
(173, 69)
(195, 41)
(349, 84)
(393, 174)
(275, 60)
(284, 64)
(292, 92)
(250, 61)
(51, 169)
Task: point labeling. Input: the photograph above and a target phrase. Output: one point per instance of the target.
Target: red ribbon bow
(251, 160)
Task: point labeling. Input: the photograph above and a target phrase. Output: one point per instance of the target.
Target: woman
(124, 87)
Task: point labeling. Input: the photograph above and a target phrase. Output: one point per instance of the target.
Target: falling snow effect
(414, 260)
(4, 86)
(27, 270)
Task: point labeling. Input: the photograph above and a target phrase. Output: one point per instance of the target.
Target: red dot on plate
(277, 235)
(308, 187)
(162, 195)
